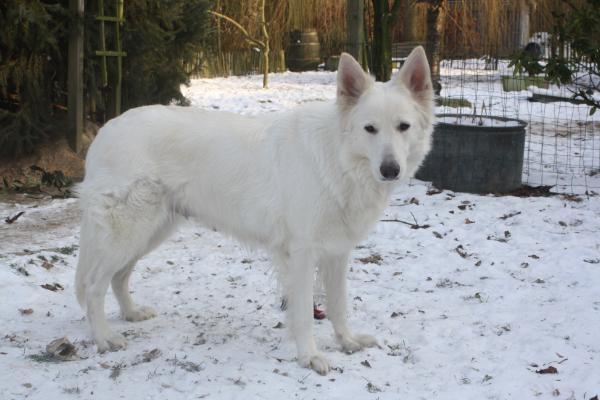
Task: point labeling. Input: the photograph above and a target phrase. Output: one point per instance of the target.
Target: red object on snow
(318, 314)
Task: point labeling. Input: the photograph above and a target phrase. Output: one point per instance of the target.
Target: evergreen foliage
(32, 76)
(576, 60)
(160, 37)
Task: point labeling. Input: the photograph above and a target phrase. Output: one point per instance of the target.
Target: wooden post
(75, 76)
(354, 27)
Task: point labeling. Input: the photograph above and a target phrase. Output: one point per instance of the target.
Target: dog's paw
(140, 314)
(113, 342)
(317, 362)
(353, 343)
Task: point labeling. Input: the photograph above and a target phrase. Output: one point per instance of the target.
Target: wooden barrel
(303, 51)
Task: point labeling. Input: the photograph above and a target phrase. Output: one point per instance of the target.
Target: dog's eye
(371, 129)
(403, 127)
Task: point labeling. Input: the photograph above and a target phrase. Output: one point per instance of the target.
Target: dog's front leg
(334, 270)
(300, 281)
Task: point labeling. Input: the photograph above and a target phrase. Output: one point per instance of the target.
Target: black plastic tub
(466, 157)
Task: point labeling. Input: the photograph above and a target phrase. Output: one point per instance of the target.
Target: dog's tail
(88, 234)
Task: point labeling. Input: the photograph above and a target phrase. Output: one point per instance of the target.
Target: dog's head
(389, 124)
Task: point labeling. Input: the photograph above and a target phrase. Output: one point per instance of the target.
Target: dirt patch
(54, 155)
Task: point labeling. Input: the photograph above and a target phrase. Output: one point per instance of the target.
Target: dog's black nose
(389, 169)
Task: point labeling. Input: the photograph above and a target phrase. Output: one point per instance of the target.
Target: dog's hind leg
(116, 231)
(334, 270)
(120, 283)
(120, 287)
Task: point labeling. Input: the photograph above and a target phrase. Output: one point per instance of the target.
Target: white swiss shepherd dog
(306, 185)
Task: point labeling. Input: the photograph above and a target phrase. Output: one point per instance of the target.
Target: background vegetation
(169, 41)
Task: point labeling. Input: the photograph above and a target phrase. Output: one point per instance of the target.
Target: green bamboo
(119, 57)
(103, 67)
(110, 53)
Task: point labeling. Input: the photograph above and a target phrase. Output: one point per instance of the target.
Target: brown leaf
(47, 265)
(549, 370)
(461, 251)
(468, 221)
(414, 200)
(54, 287)
(433, 191)
(26, 311)
(62, 349)
(372, 259)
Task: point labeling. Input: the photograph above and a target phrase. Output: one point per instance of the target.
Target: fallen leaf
(62, 349)
(433, 191)
(372, 259)
(366, 363)
(54, 287)
(468, 221)
(549, 370)
(26, 311)
(47, 265)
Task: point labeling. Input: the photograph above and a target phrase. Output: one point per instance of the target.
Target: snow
(479, 121)
(487, 291)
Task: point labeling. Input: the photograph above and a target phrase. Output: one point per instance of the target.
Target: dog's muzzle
(389, 169)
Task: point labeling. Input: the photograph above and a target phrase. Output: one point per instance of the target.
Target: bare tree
(436, 21)
(262, 44)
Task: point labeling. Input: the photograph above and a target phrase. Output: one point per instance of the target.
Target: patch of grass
(67, 250)
(453, 102)
(44, 358)
(19, 269)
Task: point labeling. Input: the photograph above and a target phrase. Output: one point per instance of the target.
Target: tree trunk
(354, 26)
(382, 38)
(436, 19)
(265, 49)
(75, 76)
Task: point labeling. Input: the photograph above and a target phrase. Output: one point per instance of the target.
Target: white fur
(305, 185)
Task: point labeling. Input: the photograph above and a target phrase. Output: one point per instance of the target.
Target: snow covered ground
(470, 296)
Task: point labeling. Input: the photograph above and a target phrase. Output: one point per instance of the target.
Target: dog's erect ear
(416, 76)
(352, 81)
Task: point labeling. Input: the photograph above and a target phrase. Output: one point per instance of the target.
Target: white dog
(306, 185)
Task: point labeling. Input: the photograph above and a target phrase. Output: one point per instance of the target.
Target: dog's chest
(345, 224)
